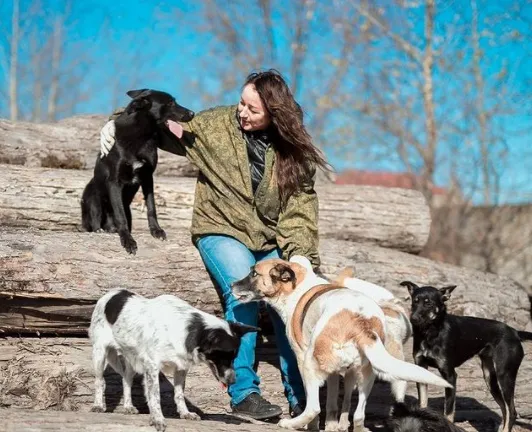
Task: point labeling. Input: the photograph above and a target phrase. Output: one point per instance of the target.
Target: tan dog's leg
(399, 390)
(349, 385)
(312, 390)
(422, 395)
(365, 384)
(395, 348)
(331, 419)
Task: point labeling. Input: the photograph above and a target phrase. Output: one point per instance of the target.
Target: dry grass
(36, 389)
(56, 391)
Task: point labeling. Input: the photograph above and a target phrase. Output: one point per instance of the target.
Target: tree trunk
(49, 281)
(395, 218)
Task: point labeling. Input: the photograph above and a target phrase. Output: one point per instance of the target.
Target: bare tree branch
(13, 67)
(429, 154)
(266, 8)
(403, 44)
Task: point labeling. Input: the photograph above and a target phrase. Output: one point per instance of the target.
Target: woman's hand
(107, 138)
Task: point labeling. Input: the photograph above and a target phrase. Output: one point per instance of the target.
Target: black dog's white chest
(135, 171)
(431, 353)
(132, 172)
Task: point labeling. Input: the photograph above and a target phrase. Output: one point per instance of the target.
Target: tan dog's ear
(348, 272)
(283, 278)
(283, 273)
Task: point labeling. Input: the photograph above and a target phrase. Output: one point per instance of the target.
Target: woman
(254, 200)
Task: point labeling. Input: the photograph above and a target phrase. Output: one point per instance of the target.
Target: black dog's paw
(129, 244)
(158, 233)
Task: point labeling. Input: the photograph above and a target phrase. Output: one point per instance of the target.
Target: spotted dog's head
(269, 279)
(216, 346)
(428, 303)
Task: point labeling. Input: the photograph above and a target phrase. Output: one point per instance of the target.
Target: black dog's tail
(524, 335)
(530, 300)
(407, 418)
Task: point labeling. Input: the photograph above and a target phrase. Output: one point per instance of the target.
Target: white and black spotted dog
(134, 334)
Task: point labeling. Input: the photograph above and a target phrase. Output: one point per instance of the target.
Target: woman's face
(253, 115)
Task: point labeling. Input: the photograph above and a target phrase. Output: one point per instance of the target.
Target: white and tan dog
(333, 331)
(398, 327)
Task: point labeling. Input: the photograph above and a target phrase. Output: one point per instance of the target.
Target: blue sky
(174, 61)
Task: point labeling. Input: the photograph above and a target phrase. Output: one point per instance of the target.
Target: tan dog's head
(269, 279)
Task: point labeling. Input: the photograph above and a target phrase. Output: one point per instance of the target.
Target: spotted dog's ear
(240, 329)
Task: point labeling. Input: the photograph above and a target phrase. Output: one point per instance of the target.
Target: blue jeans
(227, 261)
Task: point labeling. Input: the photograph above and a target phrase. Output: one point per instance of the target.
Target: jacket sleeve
(297, 228)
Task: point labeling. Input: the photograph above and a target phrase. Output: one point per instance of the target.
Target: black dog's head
(162, 107)
(406, 418)
(428, 303)
(216, 346)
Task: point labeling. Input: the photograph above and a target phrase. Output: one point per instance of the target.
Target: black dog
(406, 418)
(106, 200)
(446, 341)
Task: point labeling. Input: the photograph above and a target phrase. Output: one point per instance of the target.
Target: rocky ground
(54, 376)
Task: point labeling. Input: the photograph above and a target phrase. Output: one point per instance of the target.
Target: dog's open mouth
(175, 128)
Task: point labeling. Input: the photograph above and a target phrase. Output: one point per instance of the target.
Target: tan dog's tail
(389, 368)
(348, 272)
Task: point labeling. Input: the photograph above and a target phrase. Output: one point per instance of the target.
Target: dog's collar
(303, 306)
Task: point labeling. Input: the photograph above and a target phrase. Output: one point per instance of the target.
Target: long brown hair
(297, 158)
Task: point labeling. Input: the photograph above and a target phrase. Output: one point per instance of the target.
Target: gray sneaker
(256, 407)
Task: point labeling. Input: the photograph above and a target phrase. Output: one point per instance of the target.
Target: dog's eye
(426, 301)
(254, 273)
(416, 300)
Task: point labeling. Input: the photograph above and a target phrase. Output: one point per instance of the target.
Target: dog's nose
(191, 114)
(414, 318)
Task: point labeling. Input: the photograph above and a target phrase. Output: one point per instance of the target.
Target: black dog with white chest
(106, 200)
(446, 341)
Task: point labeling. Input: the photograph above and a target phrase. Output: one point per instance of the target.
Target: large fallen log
(49, 199)
(71, 143)
(56, 374)
(49, 281)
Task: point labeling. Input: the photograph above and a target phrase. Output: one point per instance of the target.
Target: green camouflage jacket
(224, 202)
